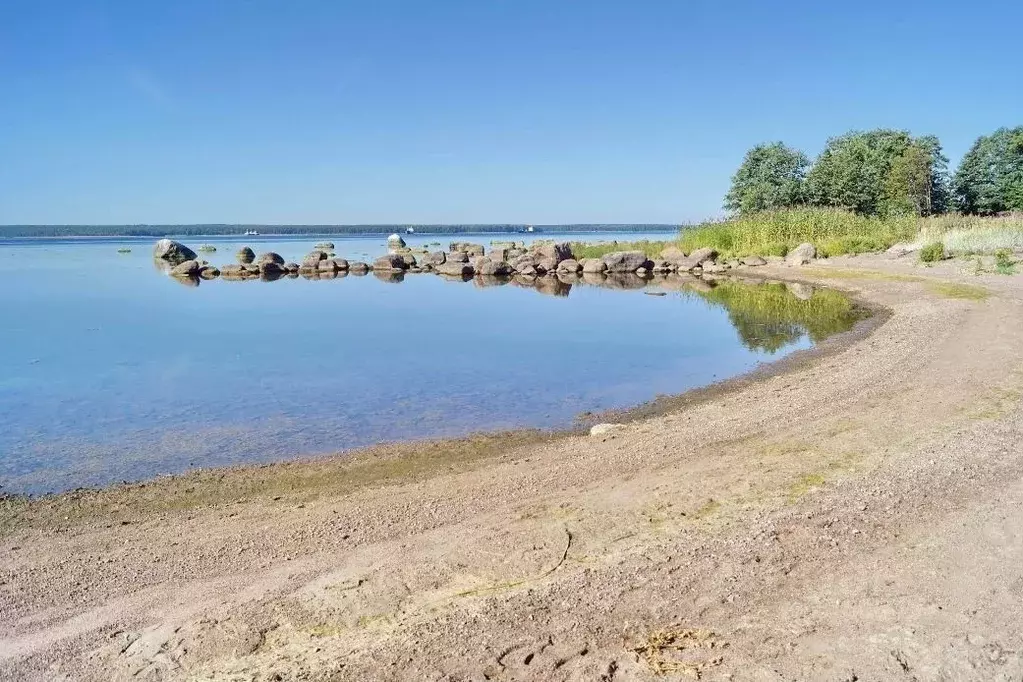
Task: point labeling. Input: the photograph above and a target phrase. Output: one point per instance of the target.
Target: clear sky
(465, 111)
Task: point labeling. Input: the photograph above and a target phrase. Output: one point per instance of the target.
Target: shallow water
(112, 371)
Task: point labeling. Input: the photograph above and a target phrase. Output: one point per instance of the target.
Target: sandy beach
(853, 513)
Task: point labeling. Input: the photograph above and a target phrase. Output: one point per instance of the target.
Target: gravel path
(857, 516)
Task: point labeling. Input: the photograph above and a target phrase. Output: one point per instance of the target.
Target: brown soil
(854, 516)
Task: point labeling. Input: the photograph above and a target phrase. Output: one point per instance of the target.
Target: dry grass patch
(678, 650)
(970, 292)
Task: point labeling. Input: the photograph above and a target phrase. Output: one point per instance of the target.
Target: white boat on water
(251, 233)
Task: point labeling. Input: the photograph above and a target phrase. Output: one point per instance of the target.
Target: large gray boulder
(456, 257)
(551, 252)
(435, 258)
(673, 254)
(491, 268)
(245, 255)
(188, 268)
(570, 265)
(470, 249)
(312, 260)
(593, 265)
(453, 269)
(625, 261)
(395, 242)
(697, 259)
(753, 261)
(173, 252)
(391, 261)
(801, 255)
(270, 257)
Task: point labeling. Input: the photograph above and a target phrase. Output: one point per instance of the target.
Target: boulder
(673, 254)
(711, 268)
(455, 269)
(325, 246)
(456, 257)
(661, 266)
(491, 268)
(468, 248)
(391, 261)
(395, 242)
(270, 267)
(188, 268)
(291, 267)
(593, 265)
(625, 261)
(172, 251)
(408, 259)
(801, 255)
(753, 261)
(569, 265)
(550, 251)
(358, 268)
(245, 255)
(436, 258)
(270, 257)
(326, 266)
(233, 271)
(313, 259)
(209, 272)
(340, 264)
(900, 250)
(499, 254)
(697, 259)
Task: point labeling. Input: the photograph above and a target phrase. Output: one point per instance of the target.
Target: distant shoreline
(11, 232)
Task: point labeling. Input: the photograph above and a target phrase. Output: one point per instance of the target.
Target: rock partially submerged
(173, 252)
(245, 255)
(625, 261)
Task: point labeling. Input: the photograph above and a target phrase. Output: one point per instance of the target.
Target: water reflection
(767, 316)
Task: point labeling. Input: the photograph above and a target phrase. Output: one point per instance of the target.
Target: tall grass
(599, 249)
(775, 233)
(968, 235)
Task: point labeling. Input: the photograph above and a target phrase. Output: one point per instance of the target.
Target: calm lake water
(113, 371)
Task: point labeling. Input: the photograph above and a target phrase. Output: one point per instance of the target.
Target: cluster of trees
(884, 172)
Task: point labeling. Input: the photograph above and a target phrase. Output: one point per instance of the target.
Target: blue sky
(464, 111)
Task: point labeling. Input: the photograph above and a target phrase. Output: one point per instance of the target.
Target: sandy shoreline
(852, 512)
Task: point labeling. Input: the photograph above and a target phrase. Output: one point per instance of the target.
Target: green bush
(932, 252)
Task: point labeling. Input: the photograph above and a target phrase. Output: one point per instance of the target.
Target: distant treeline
(884, 173)
(14, 231)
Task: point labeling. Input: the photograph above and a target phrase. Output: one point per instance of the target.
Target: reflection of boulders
(209, 272)
(187, 280)
(484, 281)
(804, 292)
(623, 280)
(271, 272)
(569, 278)
(552, 286)
(173, 252)
(389, 276)
(245, 255)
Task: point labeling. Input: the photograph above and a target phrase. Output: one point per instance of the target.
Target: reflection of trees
(769, 316)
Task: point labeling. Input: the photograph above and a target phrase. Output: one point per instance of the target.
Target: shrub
(932, 252)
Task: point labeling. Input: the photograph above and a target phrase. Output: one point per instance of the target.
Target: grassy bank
(775, 233)
(964, 235)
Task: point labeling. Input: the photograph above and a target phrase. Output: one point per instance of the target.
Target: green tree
(908, 187)
(852, 170)
(990, 176)
(771, 176)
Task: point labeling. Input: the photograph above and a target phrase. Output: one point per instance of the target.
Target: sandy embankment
(856, 516)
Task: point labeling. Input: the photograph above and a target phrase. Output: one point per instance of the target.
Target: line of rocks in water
(462, 260)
